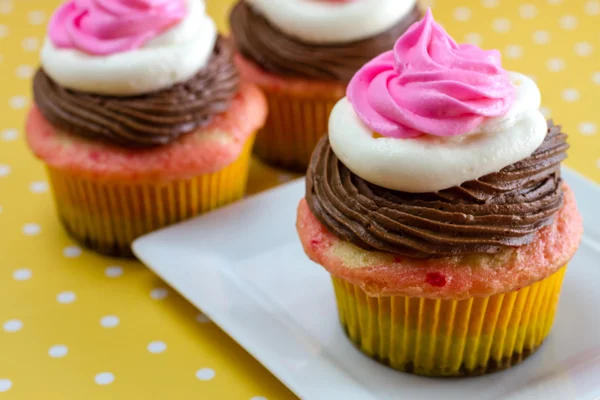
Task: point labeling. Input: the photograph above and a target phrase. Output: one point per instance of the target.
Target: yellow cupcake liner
(437, 337)
(107, 217)
(292, 130)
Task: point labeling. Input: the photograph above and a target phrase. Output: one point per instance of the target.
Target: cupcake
(436, 204)
(140, 118)
(302, 54)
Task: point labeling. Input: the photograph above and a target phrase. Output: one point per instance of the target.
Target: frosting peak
(430, 84)
(103, 27)
(127, 47)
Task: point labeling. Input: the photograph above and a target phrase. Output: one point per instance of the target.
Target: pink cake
(460, 277)
(300, 87)
(204, 151)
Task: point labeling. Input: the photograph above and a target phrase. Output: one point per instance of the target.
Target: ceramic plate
(244, 267)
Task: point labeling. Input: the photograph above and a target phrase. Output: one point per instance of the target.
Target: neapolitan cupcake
(437, 205)
(302, 53)
(140, 118)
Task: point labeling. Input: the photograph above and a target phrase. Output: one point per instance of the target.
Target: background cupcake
(140, 118)
(302, 53)
(442, 217)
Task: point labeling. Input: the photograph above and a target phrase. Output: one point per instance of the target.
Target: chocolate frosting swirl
(282, 54)
(501, 209)
(146, 120)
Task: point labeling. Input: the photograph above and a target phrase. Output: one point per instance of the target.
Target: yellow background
(52, 293)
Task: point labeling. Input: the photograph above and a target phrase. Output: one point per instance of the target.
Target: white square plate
(243, 265)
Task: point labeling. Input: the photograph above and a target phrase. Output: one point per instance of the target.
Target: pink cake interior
(298, 86)
(455, 277)
(205, 151)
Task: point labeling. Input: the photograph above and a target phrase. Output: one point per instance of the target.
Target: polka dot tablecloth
(79, 326)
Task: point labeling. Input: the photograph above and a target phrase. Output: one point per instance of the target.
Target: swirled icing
(430, 84)
(431, 115)
(127, 47)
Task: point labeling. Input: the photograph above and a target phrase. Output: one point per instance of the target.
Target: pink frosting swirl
(430, 84)
(102, 27)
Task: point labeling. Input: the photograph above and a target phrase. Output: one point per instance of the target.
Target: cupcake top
(437, 151)
(135, 73)
(319, 39)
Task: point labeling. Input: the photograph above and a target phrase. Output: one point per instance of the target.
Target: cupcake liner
(107, 217)
(294, 127)
(438, 337)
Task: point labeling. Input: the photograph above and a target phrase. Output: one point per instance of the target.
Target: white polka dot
(72, 251)
(598, 163)
(5, 385)
(474, 38)
(113, 271)
(159, 293)
(8, 135)
(17, 102)
(583, 49)
(592, 7)
(4, 169)
(202, 319)
(587, 128)
(104, 378)
(30, 44)
(570, 95)
(66, 297)
(6, 7)
(528, 11)
(1, 208)
(157, 347)
(541, 37)
(596, 78)
(205, 374)
(555, 64)
(513, 51)
(3, 31)
(109, 321)
(13, 325)
(501, 25)
(31, 229)
(462, 14)
(22, 274)
(546, 112)
(24, 71)
(259, 398)
(568, 22)
(554, 2)
(490, 3)
(58, 351)
(38, 187)
(36, 17)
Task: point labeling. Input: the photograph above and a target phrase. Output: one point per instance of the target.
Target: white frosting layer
(431, 163)
(172, 57)
(325, 22)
